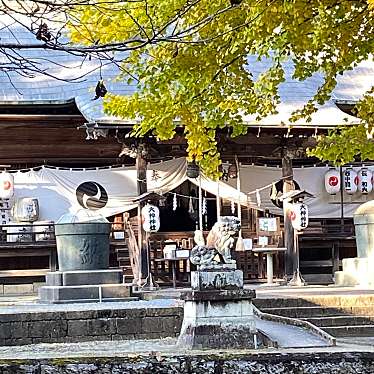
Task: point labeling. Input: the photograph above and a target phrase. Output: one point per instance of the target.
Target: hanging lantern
(175, 202)
(233, 171)
(299, 216)
(193, 170)
(350, 181)
(225, 171)
(365, 181)
(332, 181)
(204, 207)
(6, 185)
(191, 210)
(258, 198)
(232, 207)
(150, 218)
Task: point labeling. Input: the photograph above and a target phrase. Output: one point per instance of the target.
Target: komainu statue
(217, 251)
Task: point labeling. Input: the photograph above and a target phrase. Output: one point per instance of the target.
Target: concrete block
(5, 331)
(153, 325)
(61, 294)
(92, 277)
(21, 341)
(356, 271)
(217, 280)
(101, 326)
(18, 329)
(18, 289)
(57, 294)
(128, 326)
(37, 285)
(53, 278)
(110, 291)
(78, 328)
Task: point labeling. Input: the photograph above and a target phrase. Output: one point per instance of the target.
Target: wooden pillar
(141, 173)
(288, 185)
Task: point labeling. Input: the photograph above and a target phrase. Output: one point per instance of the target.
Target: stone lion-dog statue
(216, 253)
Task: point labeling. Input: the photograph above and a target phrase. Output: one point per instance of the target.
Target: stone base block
(93, 293)
(219, 319)
(217, 280)
(215, 336)
(356, 271)
(84, 277)
(18, 289)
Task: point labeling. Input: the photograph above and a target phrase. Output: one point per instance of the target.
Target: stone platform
(84, 286)
(78, 322)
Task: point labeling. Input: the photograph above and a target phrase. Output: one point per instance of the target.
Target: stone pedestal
(218, 313)
(84, 286)
(358, 271)
(218, 319)
(216, 280)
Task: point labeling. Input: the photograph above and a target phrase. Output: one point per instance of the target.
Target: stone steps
(348, 315)
(309, 301)
(335, 321)
(317, 311)
(345, 331)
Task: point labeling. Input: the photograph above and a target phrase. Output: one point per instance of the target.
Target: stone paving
(164, 347)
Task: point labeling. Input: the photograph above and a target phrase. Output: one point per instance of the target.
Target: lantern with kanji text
(299, 216)
(150, 218)
(6, 185)
(350, 181)
(332, 181)
(365, 180)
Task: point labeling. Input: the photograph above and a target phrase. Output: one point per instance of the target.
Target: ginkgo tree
(197, 76)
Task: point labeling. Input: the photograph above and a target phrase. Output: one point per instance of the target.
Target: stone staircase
(340, 316)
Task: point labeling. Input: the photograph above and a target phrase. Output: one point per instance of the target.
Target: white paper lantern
(365, 181)
(151, 218)
(299, 216)
(350, 181)
(332, 181)
(6, 185)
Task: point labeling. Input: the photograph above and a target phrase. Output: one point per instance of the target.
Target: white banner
(109, 191)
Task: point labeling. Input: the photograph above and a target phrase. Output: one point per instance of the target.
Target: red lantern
(350, 181)
(299, 216)
(332, 181)
(365, 181)
(6, 185)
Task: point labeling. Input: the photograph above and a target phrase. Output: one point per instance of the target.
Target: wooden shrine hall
(54, 139)
(35, 135)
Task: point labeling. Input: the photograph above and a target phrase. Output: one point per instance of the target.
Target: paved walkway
(31, 306)
(160, 347)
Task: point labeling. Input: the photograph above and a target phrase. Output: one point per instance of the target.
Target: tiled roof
(45, 88)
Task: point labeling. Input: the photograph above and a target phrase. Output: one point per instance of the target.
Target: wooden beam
(287, 174)
(141, 172)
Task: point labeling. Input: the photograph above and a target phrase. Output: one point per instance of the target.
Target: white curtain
(105, 191)
(109, 191)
